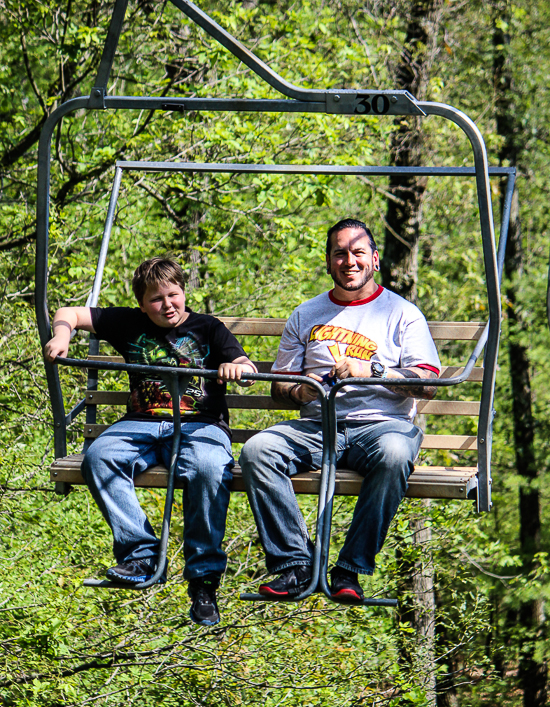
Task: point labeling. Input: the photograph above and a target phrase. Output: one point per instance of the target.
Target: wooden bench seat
(425, 482)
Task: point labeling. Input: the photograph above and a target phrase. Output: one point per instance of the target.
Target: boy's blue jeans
(382, 452)
(130, 447)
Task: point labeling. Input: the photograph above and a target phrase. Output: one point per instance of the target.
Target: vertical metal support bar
(484, 437)
(503, 239)
(97, 95)
(98, 278)
(505, 222)
(176, 386)
(317, 569)
(327, 515)
(486, 408)
(41, 266)
(93, 373)
(93, 377)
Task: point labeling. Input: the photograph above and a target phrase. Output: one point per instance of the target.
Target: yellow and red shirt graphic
(346, 342)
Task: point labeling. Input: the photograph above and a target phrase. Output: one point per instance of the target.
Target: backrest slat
(452, 331)
(266, 402)
(455, 442)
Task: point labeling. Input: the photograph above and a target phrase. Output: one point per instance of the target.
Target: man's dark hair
(349, 223)
(157, 271)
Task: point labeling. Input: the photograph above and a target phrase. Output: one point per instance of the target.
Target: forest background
(254, 246)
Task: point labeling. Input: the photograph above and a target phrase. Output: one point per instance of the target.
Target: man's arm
(354, 368)
(64, 321)
(297, 393)
(426, 393)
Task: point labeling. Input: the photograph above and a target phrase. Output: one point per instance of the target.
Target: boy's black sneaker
(344, 585)
(204, 607)
(291, 582)
(133, 572)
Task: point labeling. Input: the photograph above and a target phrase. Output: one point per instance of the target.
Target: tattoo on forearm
(406, 373)
(282, 392)
(413, 391)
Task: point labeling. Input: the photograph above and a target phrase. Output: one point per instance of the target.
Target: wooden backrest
(447, 403)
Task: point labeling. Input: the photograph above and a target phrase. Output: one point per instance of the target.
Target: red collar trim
(357, 302)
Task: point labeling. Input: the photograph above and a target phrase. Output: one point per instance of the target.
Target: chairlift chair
(296, 99)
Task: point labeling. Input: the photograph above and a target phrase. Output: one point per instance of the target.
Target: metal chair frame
(332, 101)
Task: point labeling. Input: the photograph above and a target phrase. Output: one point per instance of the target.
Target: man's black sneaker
(291, 582)
(204, 607)
(133, 572)
(344, 585)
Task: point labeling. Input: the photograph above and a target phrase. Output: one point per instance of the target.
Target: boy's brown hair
(156, 271)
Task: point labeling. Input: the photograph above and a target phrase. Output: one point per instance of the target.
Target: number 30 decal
(378, 104)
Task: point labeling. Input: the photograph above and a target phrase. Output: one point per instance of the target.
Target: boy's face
(164, 304)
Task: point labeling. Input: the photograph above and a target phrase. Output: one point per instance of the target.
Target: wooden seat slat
(244, 326)
(424, 482)
(454, 442)
(266, 402)
(457, 331)
(447, 407)
(452, 331)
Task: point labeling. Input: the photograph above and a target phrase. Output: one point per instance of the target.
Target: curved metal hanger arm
(245, 55)
(333, 101)
(492, 279)
(97, 94)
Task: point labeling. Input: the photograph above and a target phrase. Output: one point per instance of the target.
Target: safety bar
(176, 385)
(176, 390)
(328, 467)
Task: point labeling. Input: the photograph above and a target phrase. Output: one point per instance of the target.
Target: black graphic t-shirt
(201, 341)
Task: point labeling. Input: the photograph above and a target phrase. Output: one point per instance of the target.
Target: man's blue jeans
(204, 464)
(382, 452)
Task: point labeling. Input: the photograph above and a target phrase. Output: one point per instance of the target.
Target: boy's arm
(233, 371)
(64, 321)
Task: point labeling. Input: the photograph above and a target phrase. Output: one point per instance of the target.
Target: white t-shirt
(384, 327)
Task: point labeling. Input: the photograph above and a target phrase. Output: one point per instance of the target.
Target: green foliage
(252, 245)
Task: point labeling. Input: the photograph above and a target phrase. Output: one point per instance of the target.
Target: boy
(163, 331)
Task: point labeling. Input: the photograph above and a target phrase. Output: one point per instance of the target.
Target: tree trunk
(532, 673)
(399, 267)
(399, 270)
(417, 603)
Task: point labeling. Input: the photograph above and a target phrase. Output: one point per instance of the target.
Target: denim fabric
(204, 464)
(382, 452)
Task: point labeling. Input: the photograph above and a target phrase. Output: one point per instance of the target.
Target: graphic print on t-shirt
(151, 396)
(345, 342)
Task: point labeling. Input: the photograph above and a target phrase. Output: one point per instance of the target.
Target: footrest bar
(364, 602)
(262, 597)
(107, 584)
(378, 602)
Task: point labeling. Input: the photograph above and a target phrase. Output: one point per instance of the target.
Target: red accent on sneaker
(346, 592)
(267, 591)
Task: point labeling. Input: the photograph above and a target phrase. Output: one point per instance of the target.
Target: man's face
(351, 263)
(164, 304)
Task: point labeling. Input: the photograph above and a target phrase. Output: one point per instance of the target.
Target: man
(357, 330)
